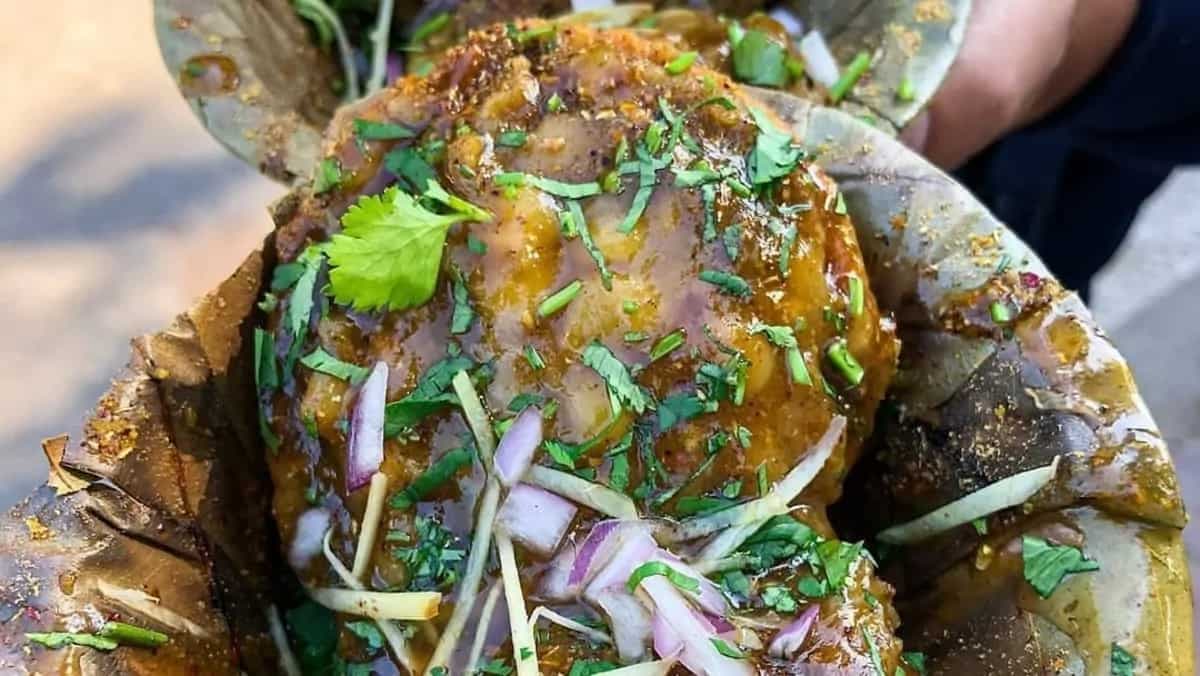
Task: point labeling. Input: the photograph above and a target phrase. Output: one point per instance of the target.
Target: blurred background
(117, 210)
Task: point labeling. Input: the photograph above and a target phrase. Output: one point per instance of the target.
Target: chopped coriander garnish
(854, 285)
(390, 250)
(266, 375)
(411, 167)
(839, 205)
(434, 557)
(668, 344)
(811, 587)
(617, 377)
(916, 660)
(370, 130)
(850, 76)
(585, 235)
(476, 245)
(510, 179)
(429, 396)
(760, 60)
(779, 599)
(439, 473)
(727, 282)
(845, 363)
(740, 189)
(321, 361)
(837, 557)
(1047, 564)
(629, 306)
(512, 139)
(465, 171)
(760, 473)
(980, 525)
(876, 660)
(618, 473)
(59, 639)
(464, 314)
(534, 358)
(611, 182)
(906, 91)
(636, 336)
(434, 25)
(328, 176)
(708, 197)
(652, 568)
(731, 239)
(571, 191)
(786, 233)
(682, 63)
(678, 408)
(558, 300)
(555, 103)
(727, 649)
(536, 33)
(1121, 663)
(1001, 314)
(647, 168)
(774, 156)
(795, 67)
(495, 667)
(696, 176)
(654, 136)
(368, 632)
(783, 337)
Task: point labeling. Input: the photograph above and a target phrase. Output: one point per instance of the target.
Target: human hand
(1020, 60)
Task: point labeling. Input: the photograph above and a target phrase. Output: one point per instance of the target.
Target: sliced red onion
(554, 585)
(788, 19)
(720, 624)
(536, 518)
(515, 452)
(633, 548)
(308, 538)
(710, 598)
(590, 5)
(587, 551)
(365, 446)
(818, 60)
(788, 641)
(630, 623)
(666, 641)
(691, 630)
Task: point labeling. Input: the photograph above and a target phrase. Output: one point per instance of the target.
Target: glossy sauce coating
(609, 86)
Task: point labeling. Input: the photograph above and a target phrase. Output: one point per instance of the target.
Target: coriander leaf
(916, 660)
(732, 241)
(534, 358)
(837, 557)
(652, 568)
(812, 588)
(328, 176)
(458, 205)
(321, 361)
(708, 197)
(681, 63)
(561, 453)
(429, 396)
(266, 376)
(410, 167)
(285, 276)
(368, 632)
(512, 139)
(691, 178)
(618, 473)
(388, 253)
(779, 599)
(876, 660)
(679, 408)
(60, 639)
(571, 191)
(585, 236)
(314, 631)
(690, 505)
(760, 60)
(464, 314)
(433, 560)
(439, 473)
(727, 282)
(300, 303)
(668, 344)
(779, 336)
(370, 130)
(1047, 564)
(476, 245)
(774, 155)
(616, 376)
(1121, 663)
(495, 667)
(727, 649)
(590, 667)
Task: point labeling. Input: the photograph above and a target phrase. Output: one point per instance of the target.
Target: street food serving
(561, 302)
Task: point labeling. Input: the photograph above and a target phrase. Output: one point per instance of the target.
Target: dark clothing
(1072, 184)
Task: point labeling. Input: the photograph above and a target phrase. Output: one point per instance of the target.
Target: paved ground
(116, 211)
